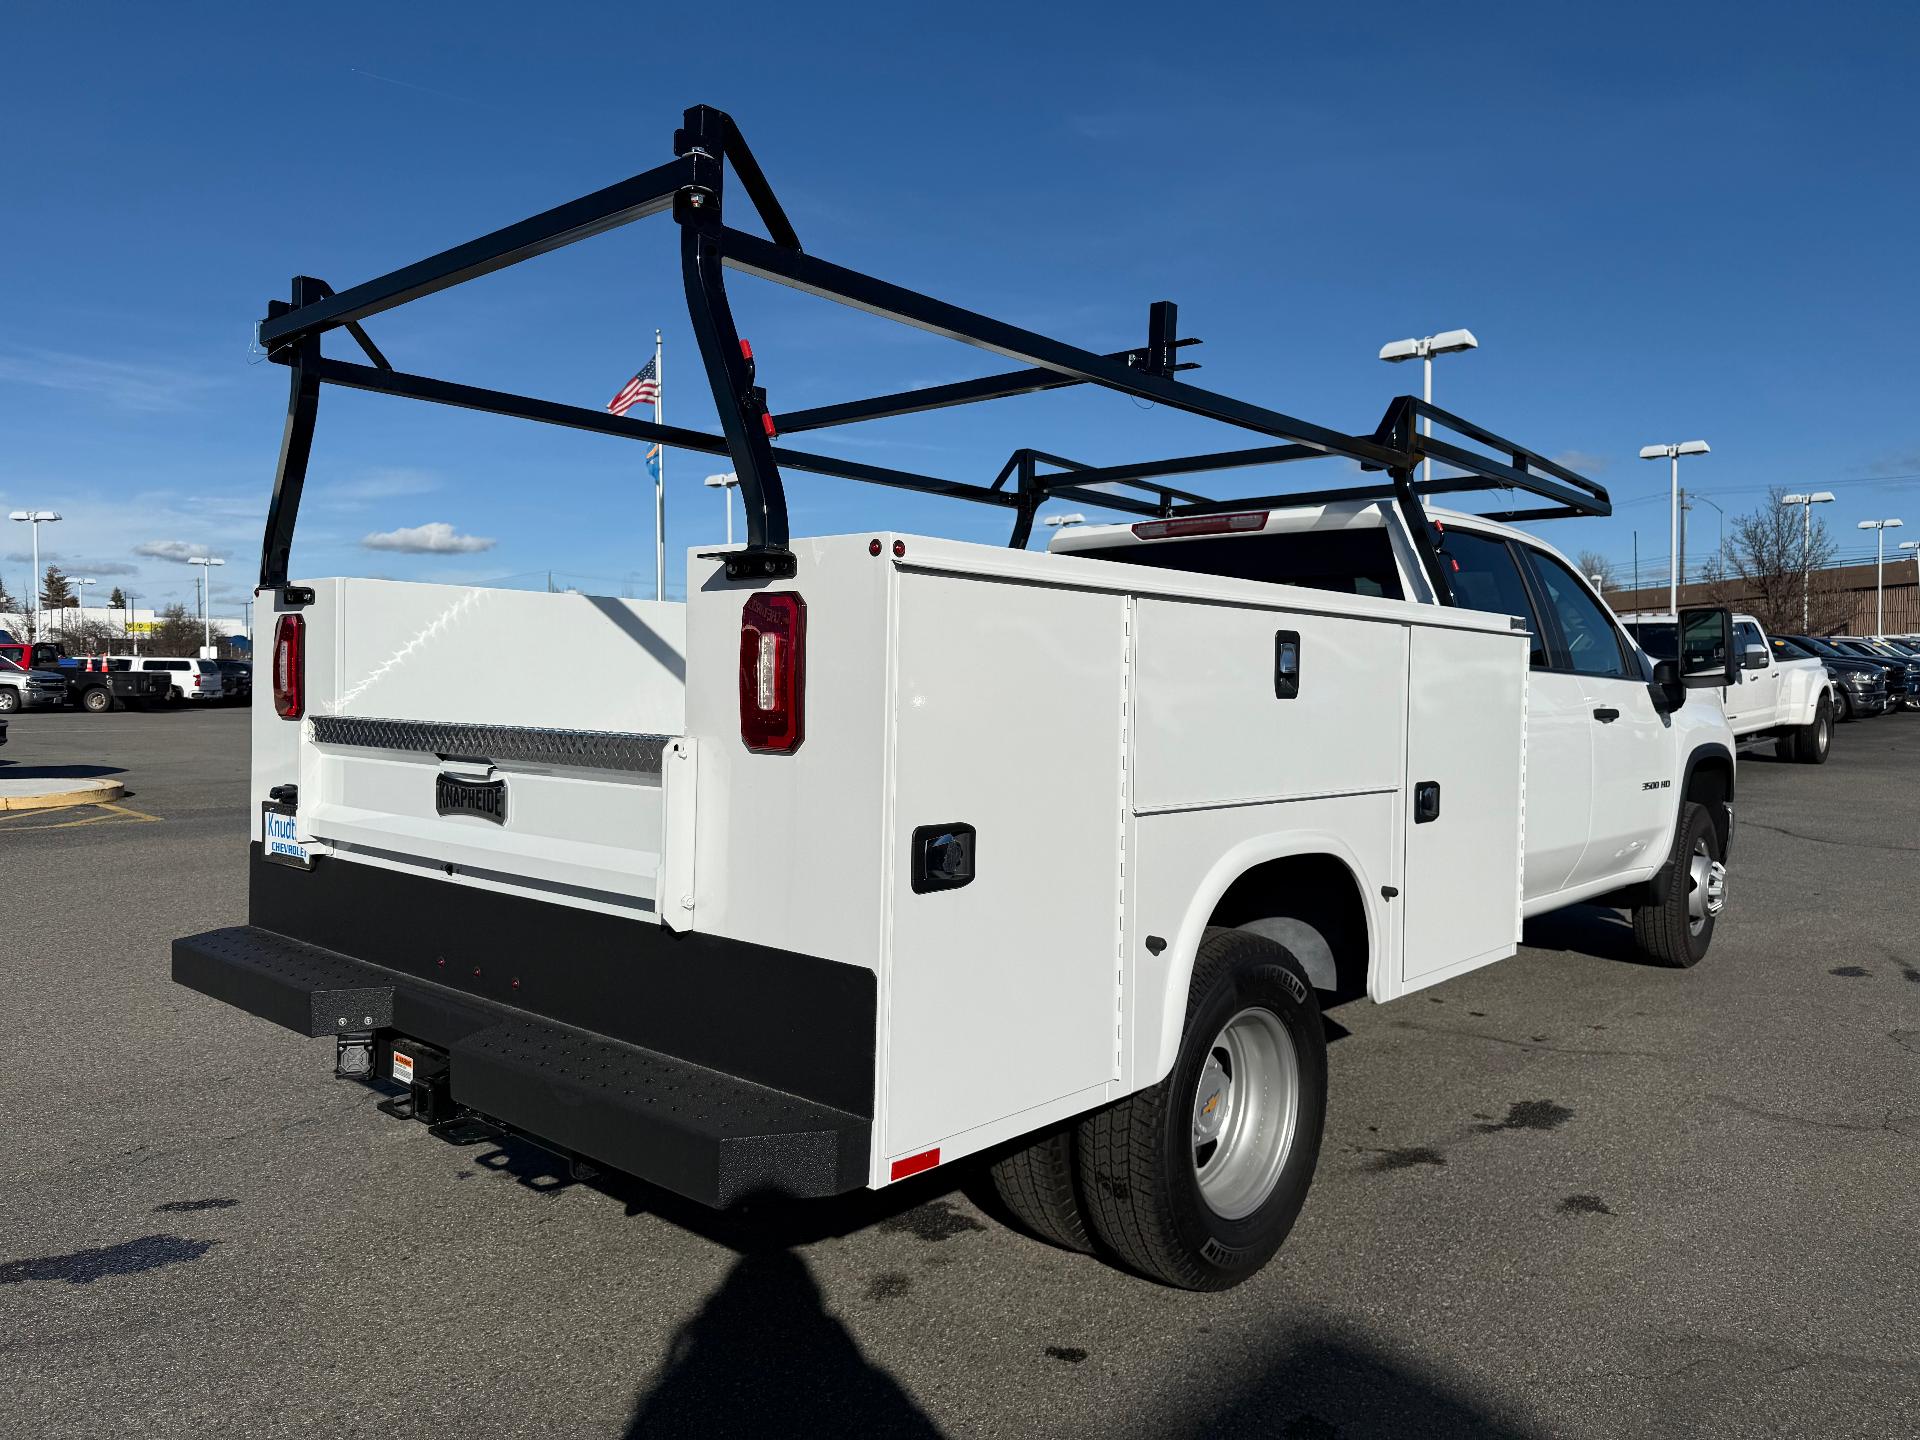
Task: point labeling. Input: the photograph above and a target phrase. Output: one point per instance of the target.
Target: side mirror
(1756, 657)
(1707, 657)
(1669, 691)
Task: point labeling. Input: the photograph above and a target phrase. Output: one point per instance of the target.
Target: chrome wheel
(1823, 736)
(1245, 1111)
(1706, 888)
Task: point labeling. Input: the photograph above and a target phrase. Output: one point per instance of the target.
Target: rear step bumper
(704, 1134)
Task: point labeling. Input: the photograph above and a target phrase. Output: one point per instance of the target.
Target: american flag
(641, 388)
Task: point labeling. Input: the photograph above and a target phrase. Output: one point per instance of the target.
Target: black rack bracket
(691, 187)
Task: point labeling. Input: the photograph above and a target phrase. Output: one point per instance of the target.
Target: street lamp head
(37, 516)
(1820, 497)
(1794, 499)
(1910, 544)
(1059, 521)
(1447, 342)
(1655, 452)
(723, 482)
(1693, 447)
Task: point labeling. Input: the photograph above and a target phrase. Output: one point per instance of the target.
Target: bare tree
(89, 637)
(1778, 561)
(175, 632)
(1602, 571)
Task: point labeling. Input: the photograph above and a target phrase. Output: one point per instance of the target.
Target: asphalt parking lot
(1568, 1195)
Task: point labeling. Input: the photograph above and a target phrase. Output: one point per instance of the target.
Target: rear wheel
(1676, 927)
(97, 700)
(1809, 744)
(1197, 1180)
(1036, 1182)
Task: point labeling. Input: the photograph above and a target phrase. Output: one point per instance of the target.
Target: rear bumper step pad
(712, 1137)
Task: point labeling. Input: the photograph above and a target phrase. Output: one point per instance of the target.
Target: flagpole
(659, 478)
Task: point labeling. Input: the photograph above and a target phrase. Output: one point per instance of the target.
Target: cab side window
(1747, 636)
(1592, 642)
(1484, 576)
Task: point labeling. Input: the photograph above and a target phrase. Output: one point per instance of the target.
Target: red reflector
(766, 423)
(873, 546)
(899, 549)
(290, 667)
(773, 672)
(1245, 520)
(914, 1164)
(746, 350)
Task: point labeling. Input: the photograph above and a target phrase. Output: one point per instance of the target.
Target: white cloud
(1584, 462)
(436, 537)
(180, 550)
(150, 388)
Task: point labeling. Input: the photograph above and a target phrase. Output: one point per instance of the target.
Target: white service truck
(1773, 697)
(884, 851)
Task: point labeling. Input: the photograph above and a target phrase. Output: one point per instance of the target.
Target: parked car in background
(1896, 671)
(1785, 699)
(1903, 673)
(238, 678)
(24, 689)
(188, 679)
(1859, 686)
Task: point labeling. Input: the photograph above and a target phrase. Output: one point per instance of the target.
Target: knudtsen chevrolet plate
(485, 798)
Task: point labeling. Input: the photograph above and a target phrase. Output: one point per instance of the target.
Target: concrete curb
(28, 794)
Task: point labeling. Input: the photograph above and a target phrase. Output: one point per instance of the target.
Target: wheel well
(1317, 891)
(1710, 783)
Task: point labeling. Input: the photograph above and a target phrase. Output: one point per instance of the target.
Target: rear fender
(1157, 1039)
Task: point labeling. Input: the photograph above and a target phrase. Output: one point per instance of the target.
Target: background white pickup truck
(883, 851)
(1786, 700)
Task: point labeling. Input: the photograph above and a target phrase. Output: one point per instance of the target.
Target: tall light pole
(1447, 342)
(36, 518)
(1722, 551)
(1914, 546)
(724, 484)
(1879, 569)
(206, 564)
(1807, 502)
(82, 605)
(1672, 453)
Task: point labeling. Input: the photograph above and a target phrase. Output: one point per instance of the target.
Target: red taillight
(1245, 520)
(290, 667)
(773, 672)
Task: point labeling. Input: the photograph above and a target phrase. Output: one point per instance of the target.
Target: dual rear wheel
(1197, 1180)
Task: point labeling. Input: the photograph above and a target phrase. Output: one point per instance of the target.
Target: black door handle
(1606, 714)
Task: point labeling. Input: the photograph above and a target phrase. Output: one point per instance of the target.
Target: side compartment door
(1465, 702)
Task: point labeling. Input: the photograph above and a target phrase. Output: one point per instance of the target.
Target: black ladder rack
(691, 187)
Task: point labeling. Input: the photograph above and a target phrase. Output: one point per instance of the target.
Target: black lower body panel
(715, 1069)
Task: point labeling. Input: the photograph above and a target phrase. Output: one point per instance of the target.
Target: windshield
(1655, 637)
(1788, 649)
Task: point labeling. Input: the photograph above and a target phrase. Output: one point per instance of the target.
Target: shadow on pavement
(57, 772)
(1329, 1384)
(1585, 930)
(763, 1357)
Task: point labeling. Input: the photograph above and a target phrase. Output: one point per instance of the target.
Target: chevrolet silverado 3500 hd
(883, 850)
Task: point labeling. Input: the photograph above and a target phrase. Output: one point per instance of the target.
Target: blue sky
(1662, 223)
